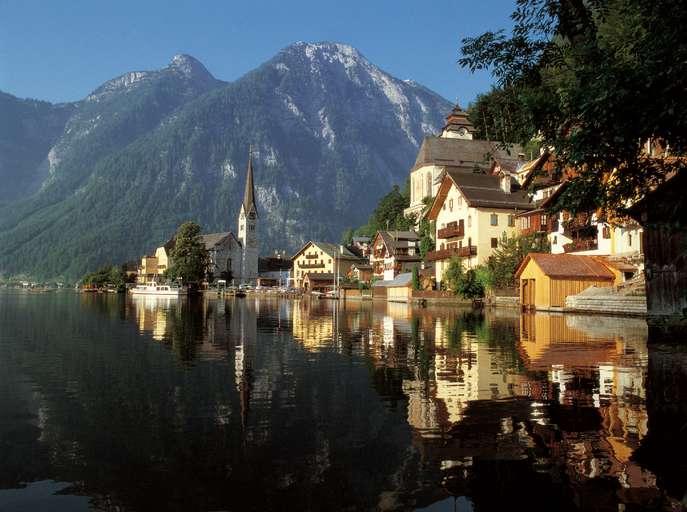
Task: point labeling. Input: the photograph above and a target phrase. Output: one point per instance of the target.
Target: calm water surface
(118, 403)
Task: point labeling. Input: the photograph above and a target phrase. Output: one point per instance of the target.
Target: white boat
(162, 290)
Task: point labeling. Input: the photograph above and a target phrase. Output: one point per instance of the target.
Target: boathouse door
(528, 297)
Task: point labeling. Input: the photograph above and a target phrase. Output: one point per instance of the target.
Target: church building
(231, 257)
(455, 149)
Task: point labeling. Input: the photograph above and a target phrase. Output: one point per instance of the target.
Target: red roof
(568, 266)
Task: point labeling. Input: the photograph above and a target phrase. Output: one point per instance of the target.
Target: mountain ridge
(331, 133)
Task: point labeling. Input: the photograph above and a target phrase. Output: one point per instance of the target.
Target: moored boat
(162, 290)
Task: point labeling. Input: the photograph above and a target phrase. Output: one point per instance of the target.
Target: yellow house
(471, 212)
(148, 270)
(321, 258)
(163, 255)
(547, 279)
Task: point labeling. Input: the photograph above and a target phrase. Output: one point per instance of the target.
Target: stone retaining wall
(609, 304)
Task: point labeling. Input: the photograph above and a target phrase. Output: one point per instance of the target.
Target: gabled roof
(479, 191)
(331, 250)
(213, 239)
(466, 153)
(570, 266)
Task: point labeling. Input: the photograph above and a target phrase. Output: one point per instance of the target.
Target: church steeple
(458, 126)
(248, 229)
(249, 193)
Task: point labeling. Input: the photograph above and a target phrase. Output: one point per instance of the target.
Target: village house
(361, 272)
(394, 252)
(148, 270)
(583, 233)
(274, 270)
(455, 149)
(321, 258)
(471, 212)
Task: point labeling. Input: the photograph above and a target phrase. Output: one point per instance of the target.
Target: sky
(62, 50)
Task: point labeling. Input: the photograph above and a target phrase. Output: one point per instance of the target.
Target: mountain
(28, 129)
(330, 131)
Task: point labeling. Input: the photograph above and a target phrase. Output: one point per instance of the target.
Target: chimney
(506, 183)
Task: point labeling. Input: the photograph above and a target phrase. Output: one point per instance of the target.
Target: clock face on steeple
(462, 131)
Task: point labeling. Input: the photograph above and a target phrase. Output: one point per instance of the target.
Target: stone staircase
(628, 298)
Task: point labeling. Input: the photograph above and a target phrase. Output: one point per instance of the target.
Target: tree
(416, 278)
(189, 256)
(347, 236)
(426, 230)
(593, 79)
(107, 276)
(389, 213)
(453, 275)
(511, 250)
(460, 281)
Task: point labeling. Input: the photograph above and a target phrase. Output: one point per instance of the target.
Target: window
(429, 185)
(450, 205)
(629, 239)
(555, 240)
(606, 232)
(543, 219)
(251, 227)
(469, 221)
(494, 219)
(494, 243)
(443, 206)
(459, 201)
(511, 221)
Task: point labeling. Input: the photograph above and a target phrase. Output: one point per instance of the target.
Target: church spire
(249, 194)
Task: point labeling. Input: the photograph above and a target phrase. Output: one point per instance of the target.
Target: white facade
(610, 240)
(248, 236)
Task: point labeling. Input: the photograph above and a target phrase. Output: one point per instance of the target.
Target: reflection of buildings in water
(465, 369)
(597, 362)
(313, 323)
(151, 315)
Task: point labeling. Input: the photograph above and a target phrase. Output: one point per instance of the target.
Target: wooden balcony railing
(311, 265)
(581, 245)
(451, 232)
(444, 254)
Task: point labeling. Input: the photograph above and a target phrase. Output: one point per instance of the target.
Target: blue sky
(62, 50)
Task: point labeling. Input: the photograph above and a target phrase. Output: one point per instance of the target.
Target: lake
(110, 402)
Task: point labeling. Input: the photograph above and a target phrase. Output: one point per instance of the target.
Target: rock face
(331, 133)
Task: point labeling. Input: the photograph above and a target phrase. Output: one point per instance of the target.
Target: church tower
(248, 230)
(458, 126)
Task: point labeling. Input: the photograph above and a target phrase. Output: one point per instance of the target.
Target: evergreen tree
(189, 256)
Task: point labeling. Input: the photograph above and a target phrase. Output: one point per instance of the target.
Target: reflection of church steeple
(243, 359)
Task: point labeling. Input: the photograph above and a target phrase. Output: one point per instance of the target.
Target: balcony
(444, 254)
(581, 245)
(311, 265)
(451, 231)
